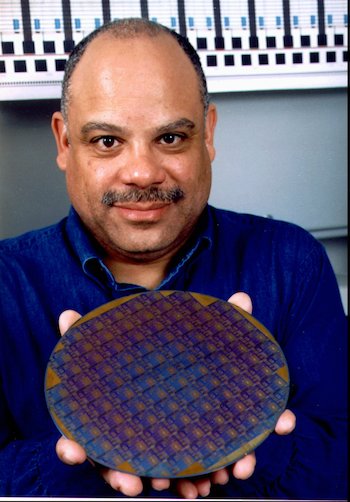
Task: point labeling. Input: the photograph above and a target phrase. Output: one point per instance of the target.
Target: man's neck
(147, 269)
(148, 275)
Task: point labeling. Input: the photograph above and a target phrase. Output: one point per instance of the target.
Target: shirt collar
(90, 253)
(87, 249)
(201, 239)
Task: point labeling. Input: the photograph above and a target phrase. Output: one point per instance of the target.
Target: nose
(142, 168)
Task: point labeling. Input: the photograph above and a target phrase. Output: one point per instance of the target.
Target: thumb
(70, 452)
(66, 319)
(242, 300)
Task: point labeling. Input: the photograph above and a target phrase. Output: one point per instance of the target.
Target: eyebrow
(177, 124)
(112, 128)
(101, 126)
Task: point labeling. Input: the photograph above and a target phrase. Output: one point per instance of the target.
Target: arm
(30, 467)
(28, 463)
(309, 323)
(316, 349)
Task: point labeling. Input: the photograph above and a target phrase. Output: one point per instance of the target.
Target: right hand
(72, 453)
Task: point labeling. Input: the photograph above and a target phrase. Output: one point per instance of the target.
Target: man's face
(137, 151)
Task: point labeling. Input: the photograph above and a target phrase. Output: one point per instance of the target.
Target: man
(135, 140)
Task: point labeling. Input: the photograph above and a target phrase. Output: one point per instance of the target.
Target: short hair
(130, 28)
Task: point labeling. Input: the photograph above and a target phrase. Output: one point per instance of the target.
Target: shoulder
(265, 234)
(251, 223)
(32, 246)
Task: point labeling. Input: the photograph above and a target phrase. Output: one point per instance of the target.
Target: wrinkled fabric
(294, 293)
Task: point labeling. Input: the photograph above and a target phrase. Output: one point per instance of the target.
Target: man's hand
(72, 453)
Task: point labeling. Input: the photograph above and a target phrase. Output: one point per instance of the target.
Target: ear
(59, 130)
(210, 123)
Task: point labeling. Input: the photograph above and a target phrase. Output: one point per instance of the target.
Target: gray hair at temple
(130, 28)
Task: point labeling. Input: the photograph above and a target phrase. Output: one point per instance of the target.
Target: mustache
(151, 194)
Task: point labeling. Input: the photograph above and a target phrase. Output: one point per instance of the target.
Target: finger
(127, 484)
(203, 487)
(70, 452)
(286, 423)
(66, 319)
(220, 477)
(244, 467)
(242, 300)
(186, 489)
(160, 484)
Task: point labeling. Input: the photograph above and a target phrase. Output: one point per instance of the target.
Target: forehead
(135, 71)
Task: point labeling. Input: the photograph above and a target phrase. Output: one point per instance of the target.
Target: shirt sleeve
(29, 465)
(311, 462)
(31, 468)
(316, 346)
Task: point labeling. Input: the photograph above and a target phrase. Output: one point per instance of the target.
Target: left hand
(243, 468)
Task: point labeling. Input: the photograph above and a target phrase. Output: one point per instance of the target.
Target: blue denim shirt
(295, 295)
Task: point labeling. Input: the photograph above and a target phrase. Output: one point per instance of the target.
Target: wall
(278, 153)
(284, 154)
(32, 189)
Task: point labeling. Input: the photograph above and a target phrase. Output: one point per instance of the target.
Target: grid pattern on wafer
(167, 384)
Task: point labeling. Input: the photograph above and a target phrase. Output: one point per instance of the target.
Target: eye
(171, 139)
(105, 142)
(108, 141)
